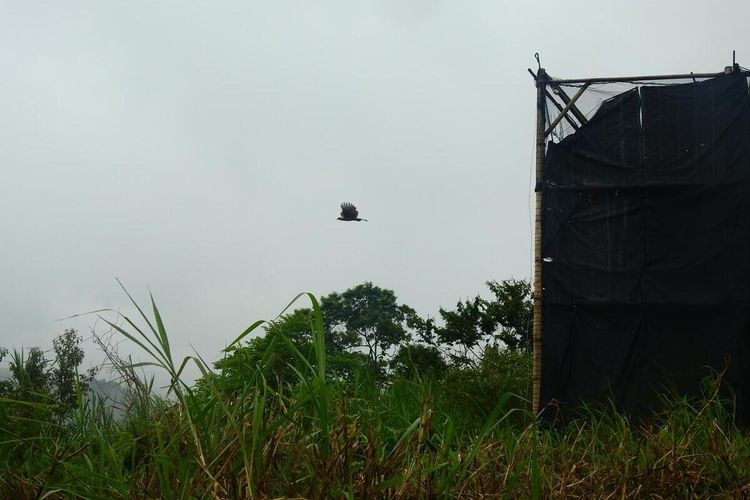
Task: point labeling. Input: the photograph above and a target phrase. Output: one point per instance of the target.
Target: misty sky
(201, 149)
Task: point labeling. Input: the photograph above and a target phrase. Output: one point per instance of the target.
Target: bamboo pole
(536, 375)
(566, 99)
(612, 79)
(552, 99)
(565, 110)
(559, 106)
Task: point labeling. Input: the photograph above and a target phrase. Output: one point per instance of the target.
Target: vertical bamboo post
(536, 375)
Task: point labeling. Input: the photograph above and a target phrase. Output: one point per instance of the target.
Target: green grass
(315, 437)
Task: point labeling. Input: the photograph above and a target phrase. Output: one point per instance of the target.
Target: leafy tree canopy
(366, 317)
(506, 319)
(368, 330)
(418, 360)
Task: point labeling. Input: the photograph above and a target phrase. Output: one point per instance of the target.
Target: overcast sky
(201, 149)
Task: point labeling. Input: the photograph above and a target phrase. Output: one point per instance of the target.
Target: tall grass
(316, 437)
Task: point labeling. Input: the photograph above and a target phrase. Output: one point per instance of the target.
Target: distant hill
(112, 392)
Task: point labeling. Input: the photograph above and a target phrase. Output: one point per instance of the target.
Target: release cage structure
(641, 275)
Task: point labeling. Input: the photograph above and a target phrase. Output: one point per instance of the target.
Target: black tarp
(646, 249)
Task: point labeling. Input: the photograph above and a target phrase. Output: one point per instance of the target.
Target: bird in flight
(349, 212)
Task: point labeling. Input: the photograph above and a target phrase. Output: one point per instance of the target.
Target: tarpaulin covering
(646, 249)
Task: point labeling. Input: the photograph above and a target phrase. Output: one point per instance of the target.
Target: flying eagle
(349, 212)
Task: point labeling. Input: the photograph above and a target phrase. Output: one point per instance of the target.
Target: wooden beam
(559, 106)
(566, 99)
(566, 109)
(626, 79)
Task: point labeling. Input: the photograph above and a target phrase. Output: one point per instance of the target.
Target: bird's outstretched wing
(348, 211)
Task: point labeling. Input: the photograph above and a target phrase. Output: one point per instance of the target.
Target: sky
(200, 150)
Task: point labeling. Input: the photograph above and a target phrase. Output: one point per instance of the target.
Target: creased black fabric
(646, 247)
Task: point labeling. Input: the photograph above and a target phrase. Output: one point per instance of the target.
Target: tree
(469, 393)
(30, 373)
(68, 357)
(463, 328)
(269, 353)
(366, 318)
(412, 360)
(367, 329)
(29, 383)
(51, 386)
(506, 319)
(510, 316)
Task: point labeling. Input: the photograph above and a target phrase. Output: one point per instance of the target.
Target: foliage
(368, 333)
(463, 327)
(506, 319)
(33, 374)
(469, 393)
(325, 438)
(68, 357)
(418, 361)
(269, 354)
(40, 390)
(509, 316)
(29, 371)
(366, 317)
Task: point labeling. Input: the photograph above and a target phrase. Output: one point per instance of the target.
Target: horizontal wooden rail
(612, 79)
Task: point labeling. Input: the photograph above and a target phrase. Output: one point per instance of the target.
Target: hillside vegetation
(355, 396)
